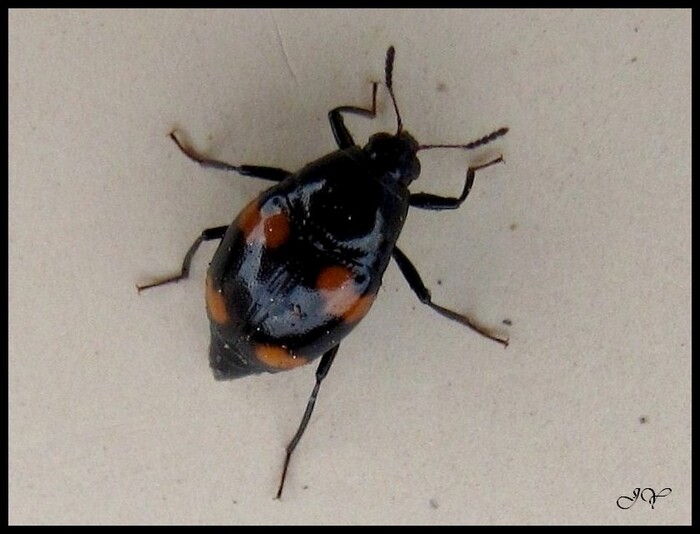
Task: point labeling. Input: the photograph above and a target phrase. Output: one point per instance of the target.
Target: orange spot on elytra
(333, 278)
(278, 357)
(249, 218)
(271, 230)
(359, 309)
(341, 295)
(276, 230)
(216, 304)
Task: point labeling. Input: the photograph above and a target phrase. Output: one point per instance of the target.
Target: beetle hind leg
(321, 372)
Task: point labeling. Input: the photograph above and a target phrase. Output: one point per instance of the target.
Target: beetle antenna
(388, 72)
(483, 141)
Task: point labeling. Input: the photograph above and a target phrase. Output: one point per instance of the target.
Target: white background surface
(582, 239)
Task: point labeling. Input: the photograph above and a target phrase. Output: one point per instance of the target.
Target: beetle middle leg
(321, 372)
(414, 280)
(273, 174)
(207, 235)
(434, 202)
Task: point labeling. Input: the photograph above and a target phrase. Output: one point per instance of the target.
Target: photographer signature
(647, 494)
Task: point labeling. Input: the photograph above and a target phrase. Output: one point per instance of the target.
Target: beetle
(302, 263)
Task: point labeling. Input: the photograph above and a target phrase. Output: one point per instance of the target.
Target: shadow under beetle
(301, 264)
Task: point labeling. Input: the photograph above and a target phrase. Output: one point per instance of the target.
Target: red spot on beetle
(341, 294)
(268, 229)
(278, 357)
(216, 304)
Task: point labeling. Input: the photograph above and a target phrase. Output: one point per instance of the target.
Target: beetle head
(394, 155)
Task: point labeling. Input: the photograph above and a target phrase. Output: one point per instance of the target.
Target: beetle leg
(340, 131)
(272, 174)
(206, 235)
(433, 202)
(414, 280)
(321, 372)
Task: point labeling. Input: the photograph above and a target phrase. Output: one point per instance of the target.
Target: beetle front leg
(207, 235)
(414, 280)
(341, 133)
(273, 174)
(427, 201)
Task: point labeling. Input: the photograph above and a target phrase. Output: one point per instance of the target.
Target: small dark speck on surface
(439, 282)
(441, 87)
(633, 59)
(643, 419)
(507, 322)
(434, 504)
(513, 226)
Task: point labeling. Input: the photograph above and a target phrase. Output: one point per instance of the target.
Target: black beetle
(302, 263)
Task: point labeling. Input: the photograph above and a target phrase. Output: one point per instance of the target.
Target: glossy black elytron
(302, 263)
